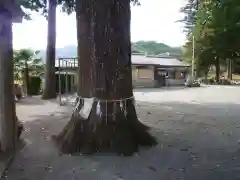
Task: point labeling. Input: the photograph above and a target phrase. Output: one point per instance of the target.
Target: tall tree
(215, 30)
(11, 128)
(190, 15)
(49, 90)
(107, 121)
(84, 41)
(26, 61)
(8, 125)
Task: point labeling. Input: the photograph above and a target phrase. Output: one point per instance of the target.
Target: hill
(67, 51)
(149, 47)
(154, 48)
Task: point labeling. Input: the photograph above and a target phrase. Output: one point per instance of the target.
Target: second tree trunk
(49, 90)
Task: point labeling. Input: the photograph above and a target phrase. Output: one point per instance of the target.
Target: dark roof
(136, 60)
(153, 60)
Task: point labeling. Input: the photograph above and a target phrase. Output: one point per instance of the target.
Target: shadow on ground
(34, 100)
(195, 143)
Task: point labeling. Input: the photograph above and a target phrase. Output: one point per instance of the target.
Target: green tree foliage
(189, 11)
(42, 5)
(216, 27)
(48, 9)
(26, 63)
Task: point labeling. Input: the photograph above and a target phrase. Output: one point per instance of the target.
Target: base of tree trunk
(46, 96)
(20, 129)
(91, 129)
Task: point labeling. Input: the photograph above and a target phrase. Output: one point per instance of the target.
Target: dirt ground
(198, 131)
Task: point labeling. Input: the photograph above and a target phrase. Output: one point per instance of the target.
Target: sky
(153, 20)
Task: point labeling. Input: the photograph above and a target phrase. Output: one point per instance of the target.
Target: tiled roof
(136, 60)
(151, 60)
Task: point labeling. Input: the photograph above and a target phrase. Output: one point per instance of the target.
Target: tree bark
(217, 69)
(107, 122)
(206, 74)
(26, 78)
(84, 47)
(8, 118)
(229, 69)
(49, 91)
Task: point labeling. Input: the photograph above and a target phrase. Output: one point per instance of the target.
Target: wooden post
(66, 78)
(8, 122)
(193, 58)
(59, 82)
(230, 69)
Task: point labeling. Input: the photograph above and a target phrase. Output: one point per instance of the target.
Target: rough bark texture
(49, 91)
(101, 124)
(84, 41)
(26, 78)
(8, 118)
(229, 68)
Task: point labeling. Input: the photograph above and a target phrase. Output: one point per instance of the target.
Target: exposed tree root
(20, 128)
(101, 131)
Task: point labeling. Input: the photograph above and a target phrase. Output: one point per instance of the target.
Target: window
(162, 73)
(145, 73)
(183, 74)
(171, 74)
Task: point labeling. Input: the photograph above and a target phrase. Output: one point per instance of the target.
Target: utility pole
(193, 47)
(193, 57)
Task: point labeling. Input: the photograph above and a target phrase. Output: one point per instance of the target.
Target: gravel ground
(197, 128)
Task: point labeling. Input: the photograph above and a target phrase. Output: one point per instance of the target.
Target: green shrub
(211, 81)
(34, 85)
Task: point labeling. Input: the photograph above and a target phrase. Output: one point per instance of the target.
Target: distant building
(150, 71)
(147, 71)
(166, 54)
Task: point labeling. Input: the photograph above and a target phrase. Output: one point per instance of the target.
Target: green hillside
(149, 47)
(154, 48)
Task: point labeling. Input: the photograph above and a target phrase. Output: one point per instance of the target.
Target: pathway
(198, 140)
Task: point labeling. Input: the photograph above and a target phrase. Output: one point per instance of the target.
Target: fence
(66, 80)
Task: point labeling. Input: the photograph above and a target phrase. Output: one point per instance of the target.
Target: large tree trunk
(108, 122)
(84, 47)
(206, 73)
(26, 78)
(49, 91)
(8, 125)
(229, 69)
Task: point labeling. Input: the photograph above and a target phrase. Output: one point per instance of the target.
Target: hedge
(34, 85)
